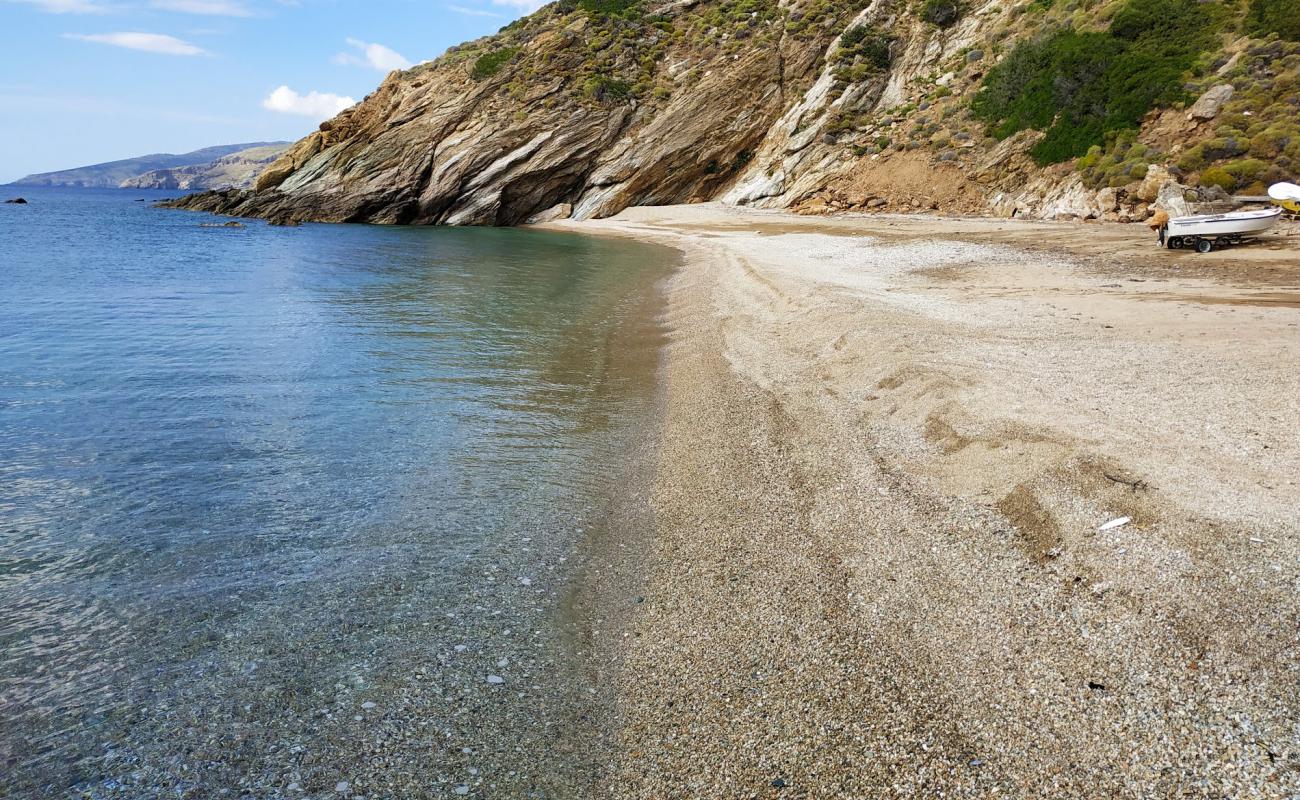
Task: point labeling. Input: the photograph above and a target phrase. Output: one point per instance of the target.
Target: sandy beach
(889, 453)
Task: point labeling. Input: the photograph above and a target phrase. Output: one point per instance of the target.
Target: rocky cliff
(235, 171)
(1038, 107)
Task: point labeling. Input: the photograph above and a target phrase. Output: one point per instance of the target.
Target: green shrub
(490, 64)
(1123, 161)
(865, 44)
(1270, 142)
(1274, 16)
(1089, 161)
(609, 8)
(943, 13)
(1217, 176)
(1078, 86)
(605, 89)
(1246, 170)
(1192, 160)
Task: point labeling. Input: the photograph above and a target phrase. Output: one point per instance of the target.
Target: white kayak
(1284, 191)
(1286, 195)
(1203, 232)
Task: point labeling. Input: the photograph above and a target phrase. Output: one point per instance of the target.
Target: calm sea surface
(289, 512)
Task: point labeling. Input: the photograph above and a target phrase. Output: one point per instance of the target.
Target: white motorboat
(1207, 230)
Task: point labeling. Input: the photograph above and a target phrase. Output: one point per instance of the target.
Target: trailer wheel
(1175, 242)
(1204, 245)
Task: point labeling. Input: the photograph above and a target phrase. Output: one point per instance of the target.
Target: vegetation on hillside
(1086, 73)
(1281, 17)
(1256, 138)
(1078, 86)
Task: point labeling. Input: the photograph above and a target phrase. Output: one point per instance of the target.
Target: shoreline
(878, 568)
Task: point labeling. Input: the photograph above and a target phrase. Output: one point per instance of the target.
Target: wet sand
(888, 449)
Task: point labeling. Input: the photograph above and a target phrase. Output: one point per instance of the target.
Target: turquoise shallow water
(275, 502)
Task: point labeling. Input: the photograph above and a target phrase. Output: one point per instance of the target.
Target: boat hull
(1236, 225)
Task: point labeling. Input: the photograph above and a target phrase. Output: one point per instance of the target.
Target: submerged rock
(17, 201)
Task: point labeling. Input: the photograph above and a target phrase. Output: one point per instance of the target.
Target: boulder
(274, 175)
(1107, 200)
(1228, 65)
(557, 211)
(1213, 193)
(1211, 103)
(1069, 200)
(1157, 176)
(1173, 200)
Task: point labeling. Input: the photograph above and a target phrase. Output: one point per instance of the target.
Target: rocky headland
(237, 170)
(220, 167)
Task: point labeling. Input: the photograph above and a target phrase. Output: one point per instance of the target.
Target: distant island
(221, 167)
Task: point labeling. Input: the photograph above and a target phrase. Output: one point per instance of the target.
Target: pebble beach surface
(963, 508)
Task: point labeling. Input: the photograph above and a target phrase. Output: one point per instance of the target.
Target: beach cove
(758, 505)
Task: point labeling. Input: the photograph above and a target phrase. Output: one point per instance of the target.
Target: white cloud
(211, 8)
(373, 55)
(148, 42)
(65, 6)
(475, 12)
(319, 105)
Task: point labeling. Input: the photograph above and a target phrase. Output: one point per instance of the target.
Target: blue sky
(86, 81)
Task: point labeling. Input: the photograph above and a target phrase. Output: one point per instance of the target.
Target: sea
(300, 512)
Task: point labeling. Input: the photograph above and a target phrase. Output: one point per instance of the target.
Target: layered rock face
(591, 106)
(435, 145)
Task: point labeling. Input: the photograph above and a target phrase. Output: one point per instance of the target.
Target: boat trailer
(1206, 232)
